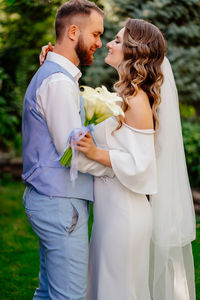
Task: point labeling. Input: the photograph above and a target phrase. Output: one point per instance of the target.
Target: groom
(57, 212)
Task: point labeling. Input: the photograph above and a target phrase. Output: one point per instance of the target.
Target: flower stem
(66, 158)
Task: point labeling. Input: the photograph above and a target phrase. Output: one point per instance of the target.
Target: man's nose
(99, 43)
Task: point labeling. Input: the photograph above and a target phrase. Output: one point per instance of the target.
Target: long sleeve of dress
(132, 156)
(86, 165)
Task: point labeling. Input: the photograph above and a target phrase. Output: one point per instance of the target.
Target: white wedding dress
(122, 228)
(124, 220)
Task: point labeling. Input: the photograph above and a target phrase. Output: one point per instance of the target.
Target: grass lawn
(19, 264)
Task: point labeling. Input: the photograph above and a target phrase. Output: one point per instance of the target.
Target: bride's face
(115, 53)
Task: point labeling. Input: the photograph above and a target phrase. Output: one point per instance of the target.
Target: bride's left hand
(44, 50)
(86, 146)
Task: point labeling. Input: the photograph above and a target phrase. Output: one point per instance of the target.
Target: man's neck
(70, 54)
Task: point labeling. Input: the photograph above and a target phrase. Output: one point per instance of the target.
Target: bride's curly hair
(144, 49)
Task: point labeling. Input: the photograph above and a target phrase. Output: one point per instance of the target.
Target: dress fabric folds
(122, 228)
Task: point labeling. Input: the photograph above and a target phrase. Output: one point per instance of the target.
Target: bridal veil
(171, 263)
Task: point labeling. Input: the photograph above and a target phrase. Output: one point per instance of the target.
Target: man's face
(89, 40)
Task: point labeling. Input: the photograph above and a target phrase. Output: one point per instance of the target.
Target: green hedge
(191, 138)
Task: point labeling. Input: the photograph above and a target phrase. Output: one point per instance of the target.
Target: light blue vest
(40, 166)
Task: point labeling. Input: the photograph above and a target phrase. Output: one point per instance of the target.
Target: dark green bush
(191, 138)
(9, 117)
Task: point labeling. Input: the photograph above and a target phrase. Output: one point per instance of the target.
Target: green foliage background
(26, 25)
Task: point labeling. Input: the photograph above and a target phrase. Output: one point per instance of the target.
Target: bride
(143, 211)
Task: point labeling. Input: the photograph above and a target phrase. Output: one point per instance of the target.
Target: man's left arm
(59, 104)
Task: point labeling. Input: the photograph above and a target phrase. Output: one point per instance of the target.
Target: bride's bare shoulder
(139, 115)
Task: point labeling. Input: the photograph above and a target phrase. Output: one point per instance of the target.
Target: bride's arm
(97, 161)
(86, 165)
(87, 147)
(132, 158)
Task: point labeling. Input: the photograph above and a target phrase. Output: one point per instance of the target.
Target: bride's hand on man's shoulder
(44, 50)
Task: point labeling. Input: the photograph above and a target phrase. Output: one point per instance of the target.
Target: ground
(19, 264)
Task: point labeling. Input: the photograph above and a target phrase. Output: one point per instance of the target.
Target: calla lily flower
(99, 104)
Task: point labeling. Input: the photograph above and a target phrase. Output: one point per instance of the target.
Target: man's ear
(73, 32)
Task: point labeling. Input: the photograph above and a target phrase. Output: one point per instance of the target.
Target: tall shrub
(25, 26)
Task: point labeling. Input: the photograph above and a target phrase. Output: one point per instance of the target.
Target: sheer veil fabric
(171, 263)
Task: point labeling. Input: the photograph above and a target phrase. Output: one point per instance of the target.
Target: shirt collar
(65, 63)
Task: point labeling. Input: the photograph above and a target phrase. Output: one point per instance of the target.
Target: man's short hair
(70, 9)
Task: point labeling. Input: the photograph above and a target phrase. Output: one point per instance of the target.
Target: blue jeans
(62, 227)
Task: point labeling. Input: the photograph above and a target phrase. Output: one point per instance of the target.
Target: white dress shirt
(58, 101)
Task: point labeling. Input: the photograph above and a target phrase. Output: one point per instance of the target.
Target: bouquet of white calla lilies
(99, 104)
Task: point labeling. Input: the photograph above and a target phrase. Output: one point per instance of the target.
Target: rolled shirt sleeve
(58, 102)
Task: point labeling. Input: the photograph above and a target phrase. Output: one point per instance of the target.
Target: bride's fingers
(81, 149)
(50, 46)
(43, 54)
(88, 138)
(88, 135)
(42, 58)
(82, 143)
(84, 139)
(44, 50)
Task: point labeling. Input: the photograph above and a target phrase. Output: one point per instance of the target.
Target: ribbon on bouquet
(75, 136)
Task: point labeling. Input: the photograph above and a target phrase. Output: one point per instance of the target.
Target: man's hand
(44, 50)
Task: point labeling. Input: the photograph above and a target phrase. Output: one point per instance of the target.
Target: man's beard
(83, 54)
